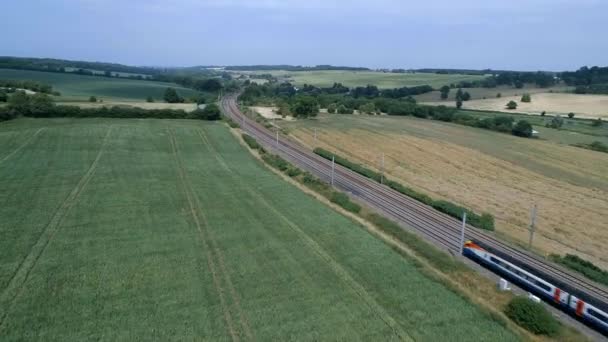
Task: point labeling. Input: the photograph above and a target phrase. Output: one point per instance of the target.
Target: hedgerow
(532, 316)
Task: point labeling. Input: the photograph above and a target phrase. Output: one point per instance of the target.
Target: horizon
(387, 34)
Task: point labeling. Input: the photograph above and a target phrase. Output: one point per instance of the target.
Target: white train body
(543, 288)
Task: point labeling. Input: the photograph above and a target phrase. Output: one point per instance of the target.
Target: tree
(331, 108)
(512, 105)
(3, 96)
(92, 99)
(108, 73)
(498, 95)
(368, 108)
(342, 109)
(305, 106)
(522, 129)
(543, 113)
(570, 115)
(526, 98)
(210, 112)
(149, 99)
(445, 92)
(171, 96)
(465, 96)
(459, 103)
(19, 103)
(40, 105)
(556, 122)
(459, 94)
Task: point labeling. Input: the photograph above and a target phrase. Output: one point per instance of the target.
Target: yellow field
(585, 106)
(486, 171)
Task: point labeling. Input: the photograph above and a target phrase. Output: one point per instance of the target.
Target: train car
(535, 284)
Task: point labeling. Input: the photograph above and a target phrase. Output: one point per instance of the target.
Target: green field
(171, 230)
(80, 87)
(363, 78)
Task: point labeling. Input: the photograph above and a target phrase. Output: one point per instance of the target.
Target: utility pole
(532, 226)
(333, 162)
(464, 226)
(382, 170)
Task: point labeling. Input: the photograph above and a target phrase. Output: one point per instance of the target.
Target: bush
(522, 129)
(343, 201)
(343, 110)
(150, 99)
(293, 172)
(570, 115)
(251, 142)
(3, 96)
(595, 123)
(582, 266)
(526, 98)
(532, 316)
(512, 105)
(331, 108)
(92, 99)
(211, 112)
(556, 122)
(276, 161)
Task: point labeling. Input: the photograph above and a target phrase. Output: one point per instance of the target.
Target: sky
(476, 34)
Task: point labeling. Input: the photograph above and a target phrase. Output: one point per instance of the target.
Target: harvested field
(270, 113)
(326, 78)
(170, 230)
(489, 93)
(584, 106)
(486, 171)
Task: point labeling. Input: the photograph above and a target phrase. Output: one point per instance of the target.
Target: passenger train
(551, 293)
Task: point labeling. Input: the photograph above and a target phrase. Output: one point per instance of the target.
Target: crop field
(584, 106)
(489, 93)
(171, 230)
(80, 87)
(327, 78)
(486, 171)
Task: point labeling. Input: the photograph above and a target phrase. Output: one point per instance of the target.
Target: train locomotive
(567, 301)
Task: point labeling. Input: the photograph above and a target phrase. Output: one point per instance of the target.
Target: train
(567, 301)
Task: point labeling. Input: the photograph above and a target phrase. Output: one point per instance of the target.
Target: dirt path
(16, 282)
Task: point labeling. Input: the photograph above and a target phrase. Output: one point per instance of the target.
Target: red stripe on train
(579, 307)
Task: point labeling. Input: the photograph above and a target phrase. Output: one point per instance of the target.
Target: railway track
(438, 227)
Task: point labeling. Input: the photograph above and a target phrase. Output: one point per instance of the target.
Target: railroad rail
(440, 228)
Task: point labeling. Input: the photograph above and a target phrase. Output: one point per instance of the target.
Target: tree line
(41, 105)
(39, 87)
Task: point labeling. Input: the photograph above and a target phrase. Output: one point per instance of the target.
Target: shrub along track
(15, 283)
(433, 225)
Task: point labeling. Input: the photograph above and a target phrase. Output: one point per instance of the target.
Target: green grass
(327, 78)
(158, 229)
(80, 87)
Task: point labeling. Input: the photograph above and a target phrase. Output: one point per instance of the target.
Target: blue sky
(516, 34)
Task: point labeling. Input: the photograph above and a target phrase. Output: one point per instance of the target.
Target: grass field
(363, 78)
(487, 171)
(80, 87)
(171, 230)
